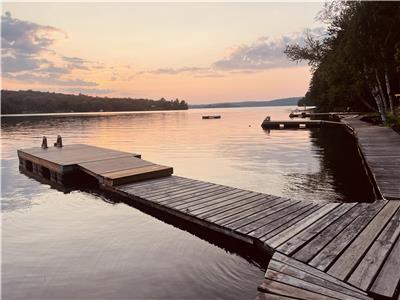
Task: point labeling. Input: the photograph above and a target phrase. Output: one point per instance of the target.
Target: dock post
(53, 176)
(22, 163)
(37, 169)
(59, 179)
(58, 143)
(44, 143)
(34, 168)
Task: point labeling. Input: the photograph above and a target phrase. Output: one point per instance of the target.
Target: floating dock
(319, 250)
(109, 167)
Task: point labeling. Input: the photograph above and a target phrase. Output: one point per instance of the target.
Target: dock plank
(299, 273)
(288, 233)
(353, 254)
(367, 269)
(236, 207)
(282, 214)
(276, 226)
(300, 239)
(333, 249)
(240, 221)
(283, 289)
(389, 276)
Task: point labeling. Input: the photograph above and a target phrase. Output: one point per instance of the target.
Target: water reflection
(341, 167)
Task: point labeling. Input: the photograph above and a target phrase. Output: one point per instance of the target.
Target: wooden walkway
(320, 250)
(355, 243)
(380, 147)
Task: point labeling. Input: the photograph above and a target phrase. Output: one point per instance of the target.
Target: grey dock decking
(380, 147)
(320, 250)
(354, 243)
(109, 167)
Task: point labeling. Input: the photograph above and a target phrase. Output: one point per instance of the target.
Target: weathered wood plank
(170, 187)
(366, 271)
(268, 296)
(241, 221)
(282, 214)
(311, 286)
(312, 271)
(303, 275)
(388, 278)
(210, 193)
(236, 207)
(115, 164)
(214, 197)
(200, 206)
(281, 224)
(238, 215)
(173, 190)
(300, 239)
(151, 182)
(282, 289)
(249, 199)
(283, 236)
(336, 237)
(195, 195)
(353, 254)
(136, 174)
(333, 249)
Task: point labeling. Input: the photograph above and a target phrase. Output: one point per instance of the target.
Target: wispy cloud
(263, 54)
(87, 91)
(174, 71)
(28, 55)
(49, 79)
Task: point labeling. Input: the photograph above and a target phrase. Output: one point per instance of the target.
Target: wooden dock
(109, 167)
(291, 124)
(380, 147)
(330, 115)
(319, 250)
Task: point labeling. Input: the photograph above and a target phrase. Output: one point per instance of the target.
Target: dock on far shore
(319, 250)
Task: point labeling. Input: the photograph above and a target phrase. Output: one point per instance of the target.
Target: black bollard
(44, 143)
(58, 144)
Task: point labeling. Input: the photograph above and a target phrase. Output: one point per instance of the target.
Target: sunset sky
(199, 52)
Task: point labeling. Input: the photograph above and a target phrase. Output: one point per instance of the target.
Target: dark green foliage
(357, 64)
(17, 102)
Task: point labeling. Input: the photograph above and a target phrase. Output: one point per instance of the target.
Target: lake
(83, 245)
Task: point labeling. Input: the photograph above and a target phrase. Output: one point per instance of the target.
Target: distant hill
(278, 102)
(27, 102)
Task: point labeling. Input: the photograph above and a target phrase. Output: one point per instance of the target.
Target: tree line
(18, 102)
(356, 63)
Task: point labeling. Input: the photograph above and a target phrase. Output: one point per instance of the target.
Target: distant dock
(312, 114)
(301, 124)
(319, 250)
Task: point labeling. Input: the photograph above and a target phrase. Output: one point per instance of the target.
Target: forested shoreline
(22, 102)
(356, 62)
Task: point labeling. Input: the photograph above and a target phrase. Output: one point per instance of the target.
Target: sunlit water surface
(78, 246)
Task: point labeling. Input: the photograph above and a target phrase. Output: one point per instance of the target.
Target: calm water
(82, 246)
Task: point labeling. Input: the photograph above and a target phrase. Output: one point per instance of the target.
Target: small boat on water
(212, 117)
